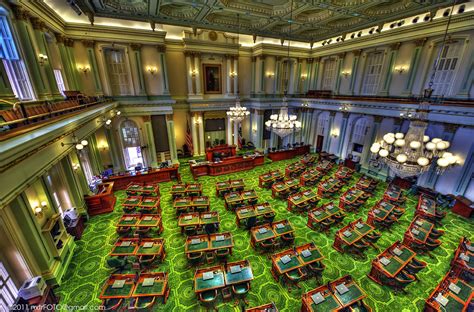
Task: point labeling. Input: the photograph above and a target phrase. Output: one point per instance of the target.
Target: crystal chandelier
(283, 124)
(237, 113)
(413, 153)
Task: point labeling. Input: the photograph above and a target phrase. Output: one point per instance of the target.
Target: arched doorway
(132, 151)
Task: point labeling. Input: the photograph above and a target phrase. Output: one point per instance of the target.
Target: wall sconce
(233, 74)
(343, 108)
(78, 144)
(400, 69)
(75, 166)
(198, 120)
(270, 75)
(305, 104)
(42, 58)
(103, 146)
(116, 112)
(346, 73)
(85, 69)
(335, 133)
(39, 209)
(193, 73)
(254, 130)
(303, 77)
(152, 70)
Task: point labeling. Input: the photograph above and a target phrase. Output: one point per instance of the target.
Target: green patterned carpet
(88, 270)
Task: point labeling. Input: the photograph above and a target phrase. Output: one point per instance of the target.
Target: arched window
(14, 66)
(373, 71)
(131, 144)
(445, 68)
(323, 122)
(118, 71)
(8, 290)
(329, 74)
(360, 130)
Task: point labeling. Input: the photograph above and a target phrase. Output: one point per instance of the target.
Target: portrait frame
(212, 78)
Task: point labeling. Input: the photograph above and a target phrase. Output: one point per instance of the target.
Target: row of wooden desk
(191, 204)
(235, 199)
(121, 182)
(227, 165)
(145, 204)
(289, 153)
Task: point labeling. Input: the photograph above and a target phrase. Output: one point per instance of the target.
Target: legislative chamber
(238, 155)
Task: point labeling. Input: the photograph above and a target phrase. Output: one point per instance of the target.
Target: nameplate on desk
(220, 238)
(454, 288)
(384, 261)
(376, 211)
(125, 244)
(415, 231)
(418, 222)
(148, 245)
(317, 298)
(469, 247)
(235, 182)
(306, 253)
(207, 216)
(262, 230)
(148, 218)
(359, 225)
(148, 200)
(342, 289)
(397, 251)
(149, 281)
(285, 259)
(248, 193)
(188, 217)
(307, 193)
(296, 197)
(128, 218)
(195, 241)
(118, 284)
(279, 226)
(207, 275)
(347, 233)
(442, 300)
(260, 207)
(317, 212)
(235, 269)
(464, 257)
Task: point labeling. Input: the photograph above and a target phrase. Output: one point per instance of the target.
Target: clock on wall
(213, 36)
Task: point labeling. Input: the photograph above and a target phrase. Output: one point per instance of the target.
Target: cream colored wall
(36, 194)
(245, 75)
(176, 65)
(104, 147)
(151, 58)
(81, 60)
(269, 68)
(180, 119)
(405, 53)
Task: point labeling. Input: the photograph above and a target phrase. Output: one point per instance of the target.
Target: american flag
(189, 138)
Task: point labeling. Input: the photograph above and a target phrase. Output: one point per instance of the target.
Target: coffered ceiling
(310, 20)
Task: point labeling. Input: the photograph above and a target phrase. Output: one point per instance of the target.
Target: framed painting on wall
(212, 78)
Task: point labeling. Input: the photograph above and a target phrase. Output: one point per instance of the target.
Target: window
(445, 69)
(118, 73)
(59, 81)
(14, 66)
(323, 123)
(360, 130)
(8, 290)
(372, 77)
(329, 74)
(131, 145)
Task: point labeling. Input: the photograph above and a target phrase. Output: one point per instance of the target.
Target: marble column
(189, 73)
(236, 134)
(6, 91)
(413, 70)
(385, 89)
(228, 75)
(314, 78)
(153, 160)
(290, 87)
(327, 144)
(202, 149)
(253, 65)
(342, 136)
(114, 153)
(194, 134)
(229, 131)
(276, 75)
(94, 69)
(468, 78)
(76, 194)
(66, 64)
(340, 61)
(48, 77)
(314, 129)
(370, 138)
(197, 68)
(40, 86)
(172, 140)
(164, 70)
(138, 65)
(354, 71)
(236, 76)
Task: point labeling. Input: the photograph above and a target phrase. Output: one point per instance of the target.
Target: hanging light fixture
(413, 153)
(79, 145)
(283, 123)
(237, 113)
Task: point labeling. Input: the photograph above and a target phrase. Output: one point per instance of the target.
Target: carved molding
(88, 43)
(135, 46)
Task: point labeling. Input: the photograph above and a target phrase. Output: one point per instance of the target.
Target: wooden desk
(418, 232)
(294, 169)
(304, 199)
(358, 229)
(140, 221)
(344, 173)
(129, 247)
(328, 187)
(334, 301)
(191, 204)
(275, 230)
(159, 288)
(226, 166)
(458, 263)
(267, 179)
(228, 186)
(317, 215)
(324, 166)
(385, 274)
(187, 189)
(212, 242)
(349, 198)
(382, 211)
(199, 220)
(297, 260)
(427, 208)
(366, 184)
(110, 292)
(121, 182)
(243, 197)
(462, 301)
(148, 189)
(269, 307)
(309, 177)
(290, 153)
(286, 187)
(257, 210)
(224, 151)
(103, 201)
(463, 207)
(392, 193)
